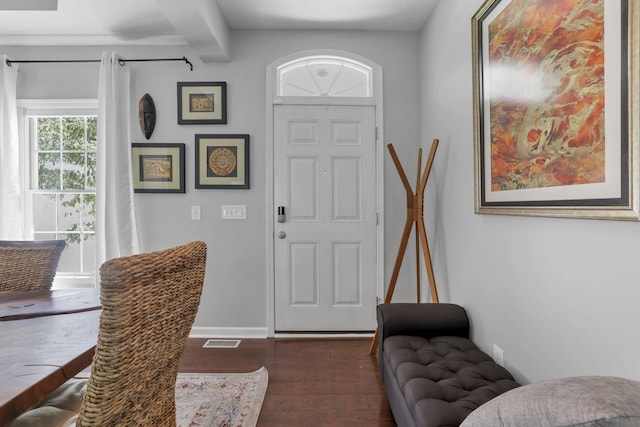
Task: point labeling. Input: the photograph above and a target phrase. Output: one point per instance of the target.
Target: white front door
(325, 250)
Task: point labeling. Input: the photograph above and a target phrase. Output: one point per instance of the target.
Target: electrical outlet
(498, 355)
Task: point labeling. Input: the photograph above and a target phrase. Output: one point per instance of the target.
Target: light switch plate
(234, 211)
(195, 212)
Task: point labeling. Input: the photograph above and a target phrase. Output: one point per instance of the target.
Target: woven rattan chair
(149, 302)
(27, 265)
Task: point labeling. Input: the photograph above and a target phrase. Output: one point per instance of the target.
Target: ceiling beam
(202, 25)
(28, 4)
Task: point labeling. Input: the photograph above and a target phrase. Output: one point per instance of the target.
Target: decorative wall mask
(147, 115)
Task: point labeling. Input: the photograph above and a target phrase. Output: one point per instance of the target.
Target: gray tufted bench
(432, 373)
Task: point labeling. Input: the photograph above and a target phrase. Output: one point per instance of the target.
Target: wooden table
(27, 304)
(42, 352)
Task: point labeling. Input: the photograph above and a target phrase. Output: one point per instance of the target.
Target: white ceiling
(205, 25)
(385, 15)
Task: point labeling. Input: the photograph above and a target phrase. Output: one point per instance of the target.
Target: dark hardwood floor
(312, 382)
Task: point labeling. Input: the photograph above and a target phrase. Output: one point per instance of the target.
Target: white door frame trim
(273, 99)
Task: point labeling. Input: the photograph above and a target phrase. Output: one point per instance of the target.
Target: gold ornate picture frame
(556, 108)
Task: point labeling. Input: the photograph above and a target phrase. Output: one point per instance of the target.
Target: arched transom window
(325, 75)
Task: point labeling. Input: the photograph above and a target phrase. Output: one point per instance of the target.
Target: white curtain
(11, 222)
(116, 230)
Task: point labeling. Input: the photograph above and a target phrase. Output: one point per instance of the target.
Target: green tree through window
(63, 188)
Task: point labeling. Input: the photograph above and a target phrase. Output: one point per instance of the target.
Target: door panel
(325, 251)
(303, 189)
(347, 183)
(347, 274)
(303, 277)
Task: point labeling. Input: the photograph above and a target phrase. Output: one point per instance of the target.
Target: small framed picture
(202, 103)
(222, 161)
(157, 168)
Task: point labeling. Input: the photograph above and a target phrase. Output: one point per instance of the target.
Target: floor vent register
(221, 343)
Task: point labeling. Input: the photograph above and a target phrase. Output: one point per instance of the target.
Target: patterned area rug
(220, 400)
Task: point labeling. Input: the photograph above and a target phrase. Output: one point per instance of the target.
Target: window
(59, 191)
(325, 75)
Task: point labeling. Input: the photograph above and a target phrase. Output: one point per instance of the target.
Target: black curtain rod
(120, 61)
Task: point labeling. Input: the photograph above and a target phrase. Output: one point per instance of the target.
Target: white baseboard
(262, 333)
(198, 332)
(323, 335)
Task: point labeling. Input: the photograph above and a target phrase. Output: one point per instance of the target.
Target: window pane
(89, 213)
(43, 206)
(89, 253)
(44, 236)
(325, 76)
(91, 171)
(91, 133)
(70, 260)
(73, 171)
(70, 209)
(48, 133)
(48, 171)
(73, 135)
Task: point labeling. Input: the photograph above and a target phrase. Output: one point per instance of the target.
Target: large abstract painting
(556, 108)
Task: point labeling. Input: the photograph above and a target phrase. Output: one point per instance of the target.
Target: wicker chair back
(27, 265)
(149, 302)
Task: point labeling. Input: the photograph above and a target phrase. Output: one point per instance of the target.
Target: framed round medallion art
(222, 161)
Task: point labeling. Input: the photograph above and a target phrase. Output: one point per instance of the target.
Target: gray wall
(235, 295)
(559, 296)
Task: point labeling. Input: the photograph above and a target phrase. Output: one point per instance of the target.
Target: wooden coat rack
(415, 215)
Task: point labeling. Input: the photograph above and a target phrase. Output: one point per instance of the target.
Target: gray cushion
(57, 408)
(575, 401)
(442, 379)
